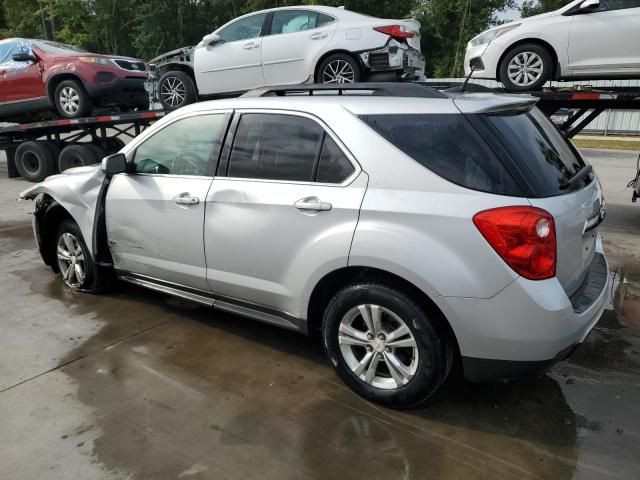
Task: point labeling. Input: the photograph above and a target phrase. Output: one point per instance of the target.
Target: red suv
(39, 75)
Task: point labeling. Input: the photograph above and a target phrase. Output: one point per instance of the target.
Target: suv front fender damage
(78, 191)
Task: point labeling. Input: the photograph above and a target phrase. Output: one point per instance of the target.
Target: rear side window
(275, 147)
(448, 146)
(291, 21)
(333, 166)
(534, 143)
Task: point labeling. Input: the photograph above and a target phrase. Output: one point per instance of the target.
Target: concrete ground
(136, 385)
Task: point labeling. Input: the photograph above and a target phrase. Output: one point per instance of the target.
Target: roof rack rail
(380, 89)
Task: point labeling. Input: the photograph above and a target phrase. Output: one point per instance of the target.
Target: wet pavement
(137, 385)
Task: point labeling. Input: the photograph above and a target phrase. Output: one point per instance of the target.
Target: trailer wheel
(55, 150)
(34, 161)
(78, 156)
(176, 90)
(112, 145)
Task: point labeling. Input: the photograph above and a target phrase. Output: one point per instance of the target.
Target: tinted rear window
(449, 146)
(538, 148)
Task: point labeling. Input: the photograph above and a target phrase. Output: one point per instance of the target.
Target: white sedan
(291, 45)
(587, 39)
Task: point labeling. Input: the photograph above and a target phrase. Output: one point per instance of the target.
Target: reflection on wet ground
(137, 385)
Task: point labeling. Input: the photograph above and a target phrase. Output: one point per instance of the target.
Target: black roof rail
(380, 89)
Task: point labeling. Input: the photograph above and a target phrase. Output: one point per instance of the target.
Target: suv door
(281, 212)
(155, 213)
(295, 39)
(233, 64)
(605, 40)
(21, 86)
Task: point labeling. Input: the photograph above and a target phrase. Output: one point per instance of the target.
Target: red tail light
(395, 31)
(525, 238)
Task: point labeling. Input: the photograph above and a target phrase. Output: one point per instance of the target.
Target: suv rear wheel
(384, 345)
(71, 100)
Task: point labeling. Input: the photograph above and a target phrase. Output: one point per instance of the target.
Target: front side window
(243, 29)
(275, 147)
(183, 148)
(606, 5)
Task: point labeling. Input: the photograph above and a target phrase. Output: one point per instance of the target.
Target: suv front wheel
(71, 100)
(384, 345)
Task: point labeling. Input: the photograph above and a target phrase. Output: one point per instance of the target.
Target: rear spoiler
(494, 104)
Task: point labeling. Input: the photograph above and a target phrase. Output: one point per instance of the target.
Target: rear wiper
(579, 175)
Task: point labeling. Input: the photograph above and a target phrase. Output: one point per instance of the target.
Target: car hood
(77, 190)
(536, 18)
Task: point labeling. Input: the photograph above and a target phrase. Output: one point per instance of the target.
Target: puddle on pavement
(203, 394)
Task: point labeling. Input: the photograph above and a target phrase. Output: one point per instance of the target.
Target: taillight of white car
(397, 32)
(525, 238)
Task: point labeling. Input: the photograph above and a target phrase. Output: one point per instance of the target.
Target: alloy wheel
(338, 71)
(69, 100)
(525, 69)
(71, 260)
(173, 91)
(378, 346)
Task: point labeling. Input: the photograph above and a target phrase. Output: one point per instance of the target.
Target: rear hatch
(556, 179)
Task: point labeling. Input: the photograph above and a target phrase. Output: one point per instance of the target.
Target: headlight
(490, 35)
(99, 61)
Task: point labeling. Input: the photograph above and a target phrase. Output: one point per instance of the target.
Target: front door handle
(185, 199)
(249, 46)
(318, 36)
(312, 204)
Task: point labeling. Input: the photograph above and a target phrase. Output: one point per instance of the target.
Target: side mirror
(23, 57)
(211, 39)
(116, 163)
(589, 4)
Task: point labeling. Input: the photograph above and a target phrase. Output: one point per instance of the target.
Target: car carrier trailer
(36, 150)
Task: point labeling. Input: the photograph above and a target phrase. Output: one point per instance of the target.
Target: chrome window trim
(357, 169)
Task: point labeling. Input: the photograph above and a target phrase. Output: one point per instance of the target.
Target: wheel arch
(555, 74)
(333, 52)
(329, 285)
(54, 80)
(48, 216)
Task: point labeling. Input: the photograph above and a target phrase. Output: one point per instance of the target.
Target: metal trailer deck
(39, 149)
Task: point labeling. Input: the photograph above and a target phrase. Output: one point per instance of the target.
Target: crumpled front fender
(77, 191)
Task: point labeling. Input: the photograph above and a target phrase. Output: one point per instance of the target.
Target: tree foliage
(146, 28)
(536, 7)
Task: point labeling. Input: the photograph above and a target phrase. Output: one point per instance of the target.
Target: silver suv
(412, 228)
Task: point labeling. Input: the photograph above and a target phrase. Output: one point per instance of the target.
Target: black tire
(93, 279)
(531, 48)
(335, 62)
(435, 354)
(34, 160)
(78, 156)
(180, 84)
(98, 152)
(81, 104)
(111, 145)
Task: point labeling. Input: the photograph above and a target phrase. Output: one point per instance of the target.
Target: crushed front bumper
(408, 63)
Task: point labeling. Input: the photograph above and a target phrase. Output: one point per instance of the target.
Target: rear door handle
(185, 199)
(318, 36)
(312, 204)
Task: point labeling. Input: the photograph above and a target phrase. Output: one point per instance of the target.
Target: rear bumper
(528, 326)
(395, 57)
(121, 92)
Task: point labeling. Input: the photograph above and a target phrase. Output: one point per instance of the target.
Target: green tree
(536, 7)
(447, 27)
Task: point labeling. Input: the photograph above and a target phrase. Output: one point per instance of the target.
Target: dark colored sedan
(39, 75)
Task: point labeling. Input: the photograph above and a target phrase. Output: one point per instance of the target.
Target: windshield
(545, 157)
(55, 48)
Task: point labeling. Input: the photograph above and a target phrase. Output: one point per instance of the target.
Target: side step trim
(227, 304)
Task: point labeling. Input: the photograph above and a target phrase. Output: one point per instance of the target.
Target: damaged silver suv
(412, 228)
